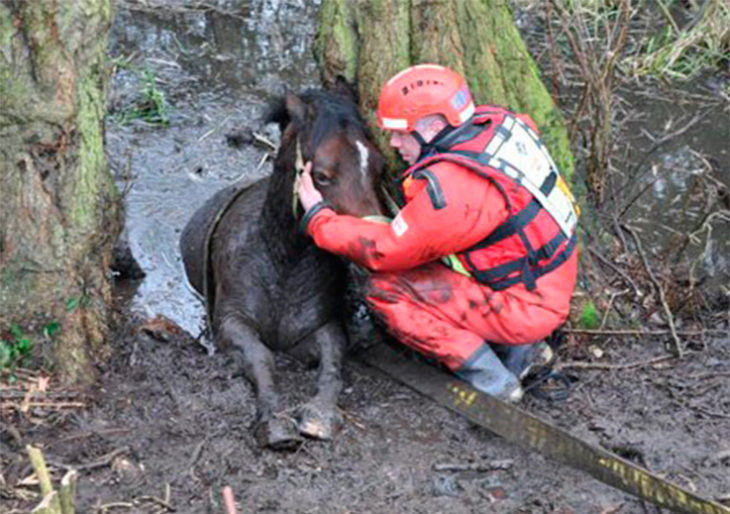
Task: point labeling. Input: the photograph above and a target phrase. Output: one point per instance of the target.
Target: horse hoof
(318, 424)
(277, 433)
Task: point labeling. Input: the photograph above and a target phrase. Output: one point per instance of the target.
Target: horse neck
(280, 227)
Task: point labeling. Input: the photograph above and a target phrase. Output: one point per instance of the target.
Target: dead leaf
(161, 328)
(43, 384)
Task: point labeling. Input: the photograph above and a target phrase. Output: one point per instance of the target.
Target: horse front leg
(272, 428)
(319, 418)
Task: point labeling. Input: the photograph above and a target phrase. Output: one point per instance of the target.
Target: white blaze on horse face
(363, 161)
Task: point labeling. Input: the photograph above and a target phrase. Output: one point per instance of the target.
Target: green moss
(481, 67)
(528, 94)
(38, 30)
(91, 151)
(7, 276)
(336, 39)
(500, 71)
(16, 282)
(589, 317)
(6, 30)
(12, 84)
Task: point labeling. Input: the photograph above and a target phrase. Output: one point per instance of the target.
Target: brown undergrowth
(672, 285)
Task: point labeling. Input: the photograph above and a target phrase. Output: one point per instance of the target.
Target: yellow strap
(563, 186)
(390, 203)
(455, 264)
(377, 217)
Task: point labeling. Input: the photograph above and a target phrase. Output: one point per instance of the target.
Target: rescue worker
(479, 265)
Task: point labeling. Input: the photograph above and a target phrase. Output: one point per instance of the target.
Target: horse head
(324, 127)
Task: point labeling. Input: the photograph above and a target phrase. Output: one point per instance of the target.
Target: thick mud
(169, 424)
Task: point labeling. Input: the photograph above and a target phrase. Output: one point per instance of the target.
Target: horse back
(196, 236)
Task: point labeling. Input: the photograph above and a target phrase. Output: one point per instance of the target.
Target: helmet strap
(432, 147)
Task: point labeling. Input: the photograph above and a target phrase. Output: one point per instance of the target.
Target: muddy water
(674, 181)
(217, 68)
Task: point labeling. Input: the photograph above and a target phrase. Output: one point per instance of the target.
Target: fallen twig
(194, 458)
(606, 366)
(610, 304)
(660, 290)
(264, 140)
(199, 7)
(491, 465)
(158, 501)
(615, 268)
(635, 171)
(354, 420)
(114, 505)
(102, 461)
(40, 405)
(612, 510)
(11, 394)
(641, 332)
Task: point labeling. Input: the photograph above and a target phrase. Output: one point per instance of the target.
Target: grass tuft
(152, 107)
(15, 348)
(683, 54)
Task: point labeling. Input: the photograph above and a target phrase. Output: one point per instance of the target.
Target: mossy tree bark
(58, 205)
(368, 41)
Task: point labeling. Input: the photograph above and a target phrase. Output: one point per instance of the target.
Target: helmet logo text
(420, 83)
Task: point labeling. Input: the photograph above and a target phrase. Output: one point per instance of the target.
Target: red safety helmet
(420, 91)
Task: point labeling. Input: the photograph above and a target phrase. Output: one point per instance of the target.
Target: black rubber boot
(523, 358)
(484, 371)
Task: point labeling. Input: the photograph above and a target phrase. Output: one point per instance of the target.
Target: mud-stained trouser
(448, 316)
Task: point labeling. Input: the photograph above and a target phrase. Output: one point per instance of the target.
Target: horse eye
(321, 179)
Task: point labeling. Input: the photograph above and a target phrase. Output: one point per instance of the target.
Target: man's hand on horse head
(308, 193)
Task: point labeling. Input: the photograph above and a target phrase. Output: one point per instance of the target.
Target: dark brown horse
(266, 285)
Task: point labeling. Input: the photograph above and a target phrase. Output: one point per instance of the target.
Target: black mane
(335, 113)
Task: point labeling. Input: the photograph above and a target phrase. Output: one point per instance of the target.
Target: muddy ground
(169, 424)
(168, 416)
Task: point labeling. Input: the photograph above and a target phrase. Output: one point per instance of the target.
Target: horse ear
(295, 107)
(276, 113)
(344, 88)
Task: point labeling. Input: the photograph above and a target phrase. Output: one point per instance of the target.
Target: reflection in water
(217, 67)
(246, 46)
(677, 190)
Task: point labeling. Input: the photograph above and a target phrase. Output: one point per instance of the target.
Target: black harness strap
(460, 134)
(491, 277)
(435, 193)
(502, 276)
(529, 267)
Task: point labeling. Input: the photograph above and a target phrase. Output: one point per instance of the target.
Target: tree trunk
(58, 205)
(368, 41)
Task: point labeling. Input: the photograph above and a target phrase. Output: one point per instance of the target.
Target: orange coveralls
(437, 311)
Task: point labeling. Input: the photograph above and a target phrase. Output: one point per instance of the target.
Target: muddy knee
(256, 359)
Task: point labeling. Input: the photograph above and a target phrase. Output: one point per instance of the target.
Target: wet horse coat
(266, 285)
